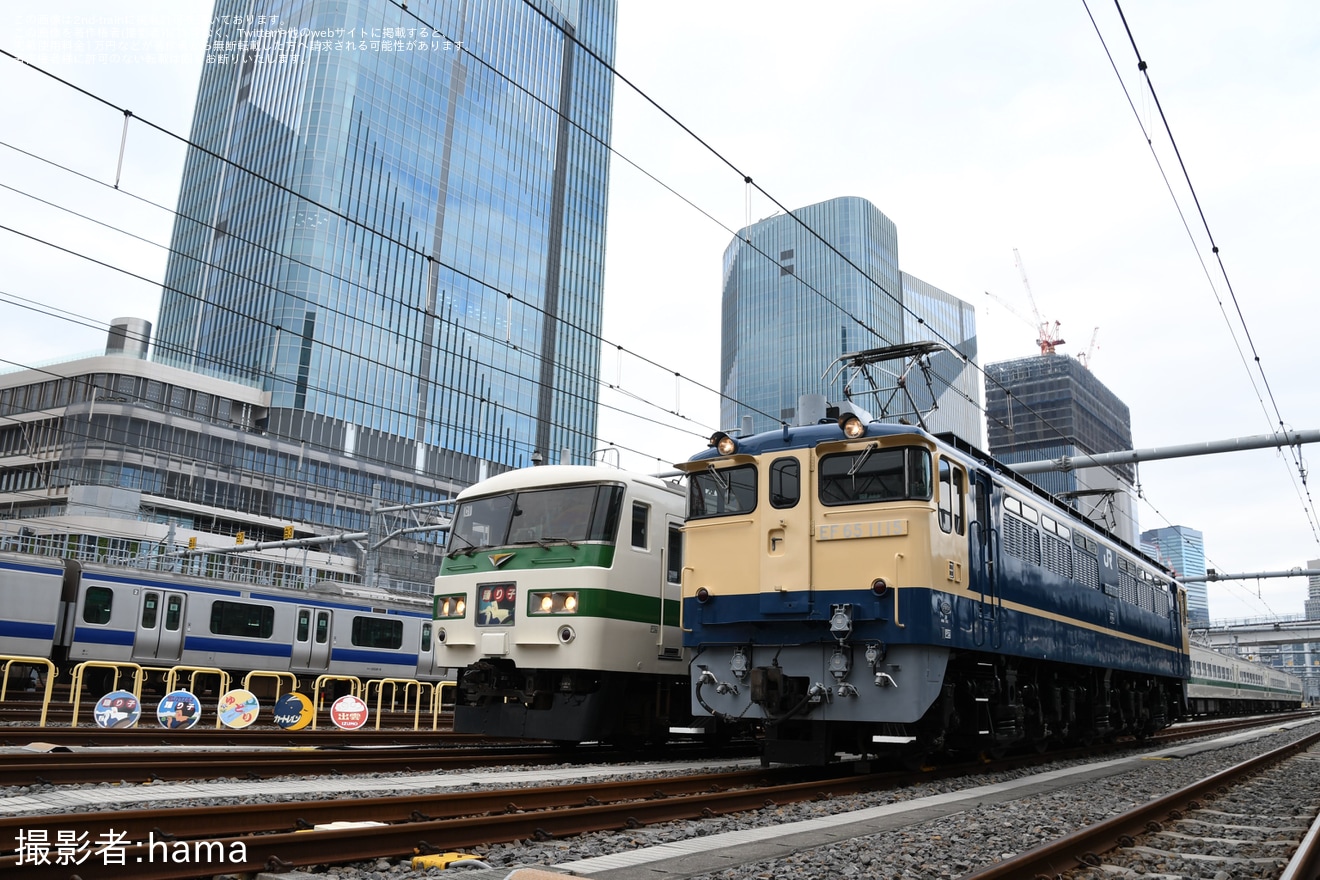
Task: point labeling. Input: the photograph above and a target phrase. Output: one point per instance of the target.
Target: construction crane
(1090, 350)
(1048, 337)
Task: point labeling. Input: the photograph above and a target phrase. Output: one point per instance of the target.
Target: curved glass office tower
(394, 221)
(792, 305)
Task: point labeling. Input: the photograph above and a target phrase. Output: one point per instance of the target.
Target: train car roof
(805, 437)
(560, 475)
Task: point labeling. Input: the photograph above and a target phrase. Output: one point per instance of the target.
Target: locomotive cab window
(785, 483)
(722, 491)
(872, 474)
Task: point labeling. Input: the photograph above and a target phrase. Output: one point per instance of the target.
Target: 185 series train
(68, 612)
(558, 600)
(868, 589)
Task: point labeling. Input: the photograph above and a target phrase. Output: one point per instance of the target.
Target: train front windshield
(562, 514)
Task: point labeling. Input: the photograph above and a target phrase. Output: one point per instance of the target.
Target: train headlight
(450, 607)
(852, 426)
(556, 602)
(723, 443)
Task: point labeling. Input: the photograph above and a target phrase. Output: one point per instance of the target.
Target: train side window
(959, 501)
(97, 604)
(946, 496)
(376, 632)
(242, 619)
(173, 613)
(640, 519)
(785, 483)
(149, 605)
(674, 565)
(322, 628)
(304, 624)
(426, 638)
(951, 498)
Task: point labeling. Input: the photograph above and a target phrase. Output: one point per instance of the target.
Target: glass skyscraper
(393, 221)
(792, 305)
(1183, 550)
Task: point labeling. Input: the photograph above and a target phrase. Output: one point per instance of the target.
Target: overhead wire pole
(1211, 576)
(1156, 453)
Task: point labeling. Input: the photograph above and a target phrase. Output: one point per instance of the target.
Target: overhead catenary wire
(1308, 503)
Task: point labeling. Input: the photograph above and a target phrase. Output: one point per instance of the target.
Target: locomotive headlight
(558, 602)
(852, 426)
(723, 443)
(450, 607)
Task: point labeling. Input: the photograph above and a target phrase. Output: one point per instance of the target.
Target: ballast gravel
(947, 847)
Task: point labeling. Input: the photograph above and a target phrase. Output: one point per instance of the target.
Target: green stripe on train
(616, 605)
(524, 558)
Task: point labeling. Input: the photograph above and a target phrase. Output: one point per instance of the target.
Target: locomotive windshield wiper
(471, 548)
(861, 459)
(723, 483)
(546, 542)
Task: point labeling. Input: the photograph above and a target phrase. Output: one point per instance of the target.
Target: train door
(669, 643)
(426, 661)
(983, 539)
(784, 551)
(311, 638)
(160, 626)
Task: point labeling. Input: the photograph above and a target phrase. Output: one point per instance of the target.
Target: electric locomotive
(558, 601)
(872, 589)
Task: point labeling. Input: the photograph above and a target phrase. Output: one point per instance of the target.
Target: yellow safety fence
(406, 690)
(34, 663)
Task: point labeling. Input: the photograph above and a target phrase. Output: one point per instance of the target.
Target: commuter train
(1221, 684)
(69, 612)
(558, 600)
(872, 589)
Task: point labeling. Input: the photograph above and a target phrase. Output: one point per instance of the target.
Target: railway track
(277, 835)
(282, 835)
(1255, 819)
